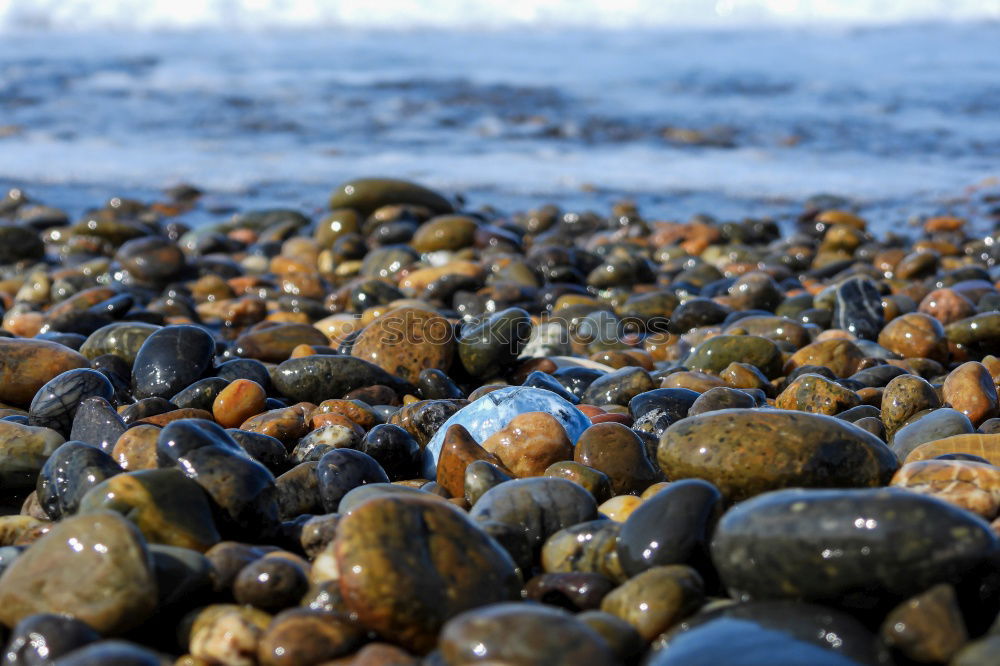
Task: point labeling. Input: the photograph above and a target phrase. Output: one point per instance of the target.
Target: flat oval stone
(166, 506)
(94, 567)
(319, 377)
(489, 347)
(537, 506)
(717, 352)
(341, 470)
(656, 599)
(408, 565)
(969, 388)
(671, 527)
(779, 329)
(618, 452)
(496, 409)
(842, 357)
(984, 446)
(888, 544)
(365, 195)
(170, 359)
(274, 344)
(971, 485)
(817, 395)
(201, 394)
(55, 404)
(27, 365)
(522, 634)
(936, 424)
(745, 452)
(767, 632)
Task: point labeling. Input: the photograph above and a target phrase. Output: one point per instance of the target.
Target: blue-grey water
(900, 120)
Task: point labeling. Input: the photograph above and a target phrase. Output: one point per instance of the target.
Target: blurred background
(731, 107)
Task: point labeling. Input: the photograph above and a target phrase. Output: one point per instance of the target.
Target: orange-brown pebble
(971, 485)
(620, 507)
(529, 443)
(969, 388)
(136, 448)
(176, 415)
(624, 419)
(239, 401)
(947, 306)
(915, 335)
(458, 450)
(984, 446)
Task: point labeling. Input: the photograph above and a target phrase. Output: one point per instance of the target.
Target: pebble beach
(407, 432)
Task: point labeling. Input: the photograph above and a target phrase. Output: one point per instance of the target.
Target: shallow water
(899, 119)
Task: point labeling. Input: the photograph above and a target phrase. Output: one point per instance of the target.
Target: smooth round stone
(695, 313)
(123, 339)
(842, 357)
(236, 402)
(654, 411)
(721, 397)
(266, 450)
(408, 565)
(817, 395)
(927, 628)
(903, 397)
(94, 567)
(424, 418)
(491, 346)
(245, 368)
(495, 410)
(717, 352)
(936, 424)
(241, 489)
(97, 423)
(543, 380)
(447, 232)
(576, 379)
(305, 636)
(274, 344)
(298, 491)
(200, 394)
(55, 404)
(969, 388)
(270, 584)
(72, 470)
(522, 634)
(405, 341)
(23, 451)
(171, 359)
(395, 450)
(656, 599)
(136, 448)
(113, 653)
(915, 335)
(671, 527)
(572, 591)
(166, 506)
(858, 308)
(27, 365)
(366, 195)
(437, 385)
(618, 387)
(779, 329)
(357, 496)
(889, 544)
(595, 481)
(755, 291)
(319, 377)
(618, 452)
(151, 259)
(539, 506)
(978, 331)
(530, 443)
(745, 452)
(45, 637)
(342, 470)
(769, 632)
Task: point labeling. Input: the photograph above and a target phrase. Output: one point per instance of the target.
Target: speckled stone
(23, 451)
(745, 452)
(529, 443)
(97, 423)
(903, 397)
(773, 546)
(586, 547)
(274, 344)
(409, 565)
(817, 395)
(858, 308)
(842, 357)
(656, 599)
(406, 341)
(94, 567)
(969, 388)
